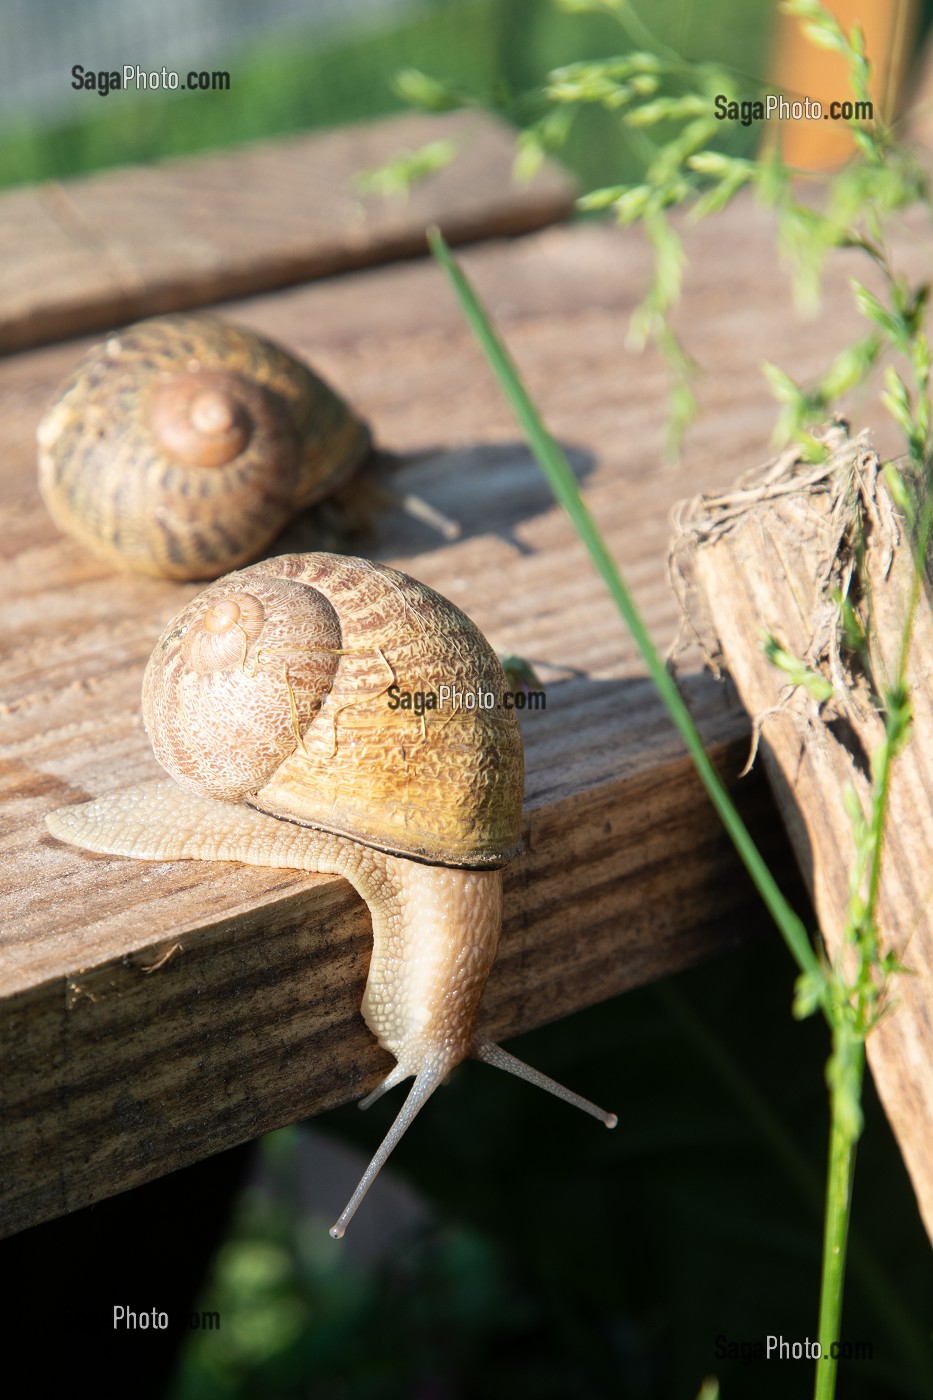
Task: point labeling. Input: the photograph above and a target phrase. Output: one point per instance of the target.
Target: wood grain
(90, 253)
(769, 561)
(114, 1075)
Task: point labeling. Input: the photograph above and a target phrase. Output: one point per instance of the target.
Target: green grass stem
(840, 1175)
(556, 468)
(759, 1111)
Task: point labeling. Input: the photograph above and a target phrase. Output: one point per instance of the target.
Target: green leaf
(849, 368)
(406, 169)
(852, 806)
(853, 632)
(796, 671)
(825, 38)
(646, 62)
(644, 84)
(529, 156)
(609, 82)
(716, 199)
(682, 410)
(811, 449)
(554, 128)
(772, 178)
(668, 109)
(809, 993)
(601, 199)
(420, 90)
(898, 717)
(896, 399)
(589, 7)
(872, 309)
(818, 24)
(920, 356)
(782, 386)
(716, 164)
(898, 491)
(632, 204)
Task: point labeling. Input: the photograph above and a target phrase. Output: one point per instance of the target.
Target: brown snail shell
(269, 701)
(273, 687)
(183, 445)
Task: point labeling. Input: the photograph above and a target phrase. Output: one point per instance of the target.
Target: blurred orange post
(804, 71)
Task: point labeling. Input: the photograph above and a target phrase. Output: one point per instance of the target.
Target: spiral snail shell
(268, 701)
(182, 446)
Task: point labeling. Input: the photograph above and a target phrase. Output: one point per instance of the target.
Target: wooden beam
(104, 249)
(768, 557)
(113, 1075)
(210, 1033)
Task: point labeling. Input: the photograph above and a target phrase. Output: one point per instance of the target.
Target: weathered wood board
(767, 556)
(114, 1074)
(92, 252)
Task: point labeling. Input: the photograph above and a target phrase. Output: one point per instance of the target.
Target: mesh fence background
(40, 40)
(299, 64)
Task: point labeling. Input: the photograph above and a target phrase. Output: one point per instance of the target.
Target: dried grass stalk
(772, 556)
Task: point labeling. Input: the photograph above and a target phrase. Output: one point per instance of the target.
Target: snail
(271, 701)
(182, 446)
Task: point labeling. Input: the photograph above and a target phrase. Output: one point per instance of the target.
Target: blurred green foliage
(565, 1261)
(570, 1263)
(496, 49)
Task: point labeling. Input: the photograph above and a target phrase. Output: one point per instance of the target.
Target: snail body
(182, 446)
(267, 701)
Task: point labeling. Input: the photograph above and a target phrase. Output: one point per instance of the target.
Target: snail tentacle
(492, 1054)
(266, 701)
(425, 1083)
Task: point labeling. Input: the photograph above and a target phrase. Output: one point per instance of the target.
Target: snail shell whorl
(251, 660)
(272, 688)
(181, 446)
(219, 689)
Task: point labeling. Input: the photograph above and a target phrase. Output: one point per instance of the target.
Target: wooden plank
(90, 253)
(627, 876)
(768, 557)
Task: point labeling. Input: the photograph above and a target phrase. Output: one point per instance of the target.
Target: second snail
(183, 445)
(266, 701)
